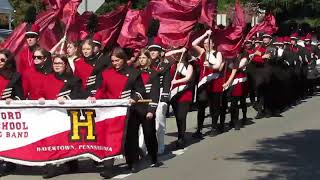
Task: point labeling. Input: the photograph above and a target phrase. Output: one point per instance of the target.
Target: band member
(250, 50)
(33, 78)
(146, 113)
(10, 89)
(285, 64)
(61, 85)
(73, 53)
(98, 49)
(162, 66)
(123, 82)
(238, 87)
(181, 90)
(25, 60)
(259, 71)
(310, 71)
(208, 56)
(298, 56)
(89, 67)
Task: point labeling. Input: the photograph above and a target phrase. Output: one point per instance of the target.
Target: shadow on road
(294, 156)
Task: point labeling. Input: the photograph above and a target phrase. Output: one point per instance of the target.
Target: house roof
(5, 7)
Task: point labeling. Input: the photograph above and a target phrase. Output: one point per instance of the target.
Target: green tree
(108, 5)
(21, 6)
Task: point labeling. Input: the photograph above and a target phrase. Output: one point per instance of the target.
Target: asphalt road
(267, 149)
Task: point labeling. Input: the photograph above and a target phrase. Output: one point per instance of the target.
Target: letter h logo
(88, 123)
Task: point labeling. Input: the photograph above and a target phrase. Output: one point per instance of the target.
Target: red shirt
(83, 70)
(113, 84)
(3, 85)
(32, 82)
(185, 95)
(51, 88)
(25, 60)
(257, 58)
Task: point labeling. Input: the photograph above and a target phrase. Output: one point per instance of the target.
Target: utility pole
(86, 5)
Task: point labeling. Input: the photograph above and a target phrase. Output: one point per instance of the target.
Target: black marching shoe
(260, 115)
(51, 171)
(221, 128)
(73, 166)
(133, 168)
(237, 125)
(197, 135)
(6, 168)
(244, 120)
(181, 143)
(107, 174)
(155, 163)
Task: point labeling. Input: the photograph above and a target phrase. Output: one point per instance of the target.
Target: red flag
(268, 25)
(69, 19)
(13, 42)
(110, 25)
(208, 12)
(50, 29)
(134, 30)
(177, 18)
(230, 40)
(82, 21)
(49, 21)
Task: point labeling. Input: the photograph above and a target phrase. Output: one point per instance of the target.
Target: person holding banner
(209, 61)
(123, 82)
(61, 85)
(33, 78)
(162, 66)
(181, 91)
(10, 89)
(146, 113)
(89, 67)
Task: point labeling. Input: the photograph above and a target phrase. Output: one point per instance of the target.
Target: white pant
(161, 125)
(142, 144)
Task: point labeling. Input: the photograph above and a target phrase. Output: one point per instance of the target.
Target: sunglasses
(58, 63)
(3, 60)
(38, 57)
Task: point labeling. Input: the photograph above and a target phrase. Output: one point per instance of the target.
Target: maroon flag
(82, 21)
(230, 39)
(110, 25)
(177, 18)
(50, 23)
(69, 19)
(208, 12)
(134, 30)
(50, 28)
(268, 26)
(13, 42)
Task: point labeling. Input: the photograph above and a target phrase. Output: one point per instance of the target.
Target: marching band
(275, 73)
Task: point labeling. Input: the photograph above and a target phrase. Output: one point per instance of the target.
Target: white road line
(179, 151)
(121, 176)
(176, 152)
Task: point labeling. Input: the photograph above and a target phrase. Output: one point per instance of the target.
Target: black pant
(149, 131)
(202, 104)
(243, 105)
(132, 138)
(181, 110)
(216, 110)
